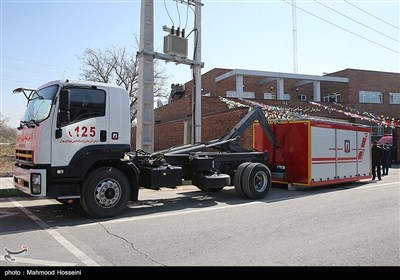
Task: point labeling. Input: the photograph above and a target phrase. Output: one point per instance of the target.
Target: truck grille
(24, 155)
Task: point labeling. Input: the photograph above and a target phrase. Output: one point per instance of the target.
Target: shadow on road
(162, 201)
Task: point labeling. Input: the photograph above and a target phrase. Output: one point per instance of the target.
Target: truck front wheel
(105, 192)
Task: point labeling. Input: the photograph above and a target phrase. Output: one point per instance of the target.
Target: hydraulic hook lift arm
(256, 113)
(230, 141)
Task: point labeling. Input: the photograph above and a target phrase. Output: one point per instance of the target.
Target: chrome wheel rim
(107, 193)
(260, 181)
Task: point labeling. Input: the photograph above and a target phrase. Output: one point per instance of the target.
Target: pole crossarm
(171, 58)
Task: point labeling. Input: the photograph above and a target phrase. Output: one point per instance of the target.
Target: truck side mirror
(64, 100)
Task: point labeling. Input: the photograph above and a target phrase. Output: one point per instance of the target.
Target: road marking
(4, 214)
(153, 216)
(57, 236)
(19, 260)
(218, 207)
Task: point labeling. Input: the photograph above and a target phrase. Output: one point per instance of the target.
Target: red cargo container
(314, 153)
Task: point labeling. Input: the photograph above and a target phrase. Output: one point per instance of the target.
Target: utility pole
(294, 36)
(196, 96)
(146, 54)
(145, 102)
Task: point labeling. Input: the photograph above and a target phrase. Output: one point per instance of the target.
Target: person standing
(385, 160)
(390, 154)
(377, 156)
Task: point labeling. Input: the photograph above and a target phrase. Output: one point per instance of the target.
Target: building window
(378, 130)
(269, 95)
(332, 97)
(302, 97)
(370, 97)
(394, 97)
(245, 94)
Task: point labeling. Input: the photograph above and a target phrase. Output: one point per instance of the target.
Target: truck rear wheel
(256, 180)
(105, 192)
(237, 178)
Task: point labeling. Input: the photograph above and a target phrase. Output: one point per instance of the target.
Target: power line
(31, 62)
(187, 15)
(179, 14)
(166, 9)
(340, 27)
(372, 15)
(377, 31)
(31, 70)
(27, 81)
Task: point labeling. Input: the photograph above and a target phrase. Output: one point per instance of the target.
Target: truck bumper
(30, 181)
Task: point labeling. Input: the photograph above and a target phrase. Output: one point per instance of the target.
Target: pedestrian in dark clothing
(377, 155)
(390, 155)
(385, 159)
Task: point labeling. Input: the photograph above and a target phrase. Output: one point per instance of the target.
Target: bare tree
(120, 66)
(7, 133)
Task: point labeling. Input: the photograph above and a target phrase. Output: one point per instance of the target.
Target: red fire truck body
(315, 153)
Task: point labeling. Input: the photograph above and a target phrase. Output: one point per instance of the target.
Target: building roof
(271, 76)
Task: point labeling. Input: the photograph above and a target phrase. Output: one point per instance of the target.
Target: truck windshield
(39, 106)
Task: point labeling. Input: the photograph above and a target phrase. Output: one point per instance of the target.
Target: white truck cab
(72, 128)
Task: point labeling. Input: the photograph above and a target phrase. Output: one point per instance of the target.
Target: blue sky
(40, 40)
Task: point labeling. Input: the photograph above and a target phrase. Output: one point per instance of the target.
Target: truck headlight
(36, 183)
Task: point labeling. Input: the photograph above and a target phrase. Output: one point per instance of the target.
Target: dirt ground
(7, 157)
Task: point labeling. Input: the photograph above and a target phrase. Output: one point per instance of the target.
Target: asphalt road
(355, 224)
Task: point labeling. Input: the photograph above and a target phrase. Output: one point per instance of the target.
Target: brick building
(362, 90)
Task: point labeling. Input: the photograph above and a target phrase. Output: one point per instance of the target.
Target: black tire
(105, 192)
(256, 181)
(237, 179)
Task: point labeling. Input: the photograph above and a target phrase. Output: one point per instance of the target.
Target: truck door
(87, 129)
